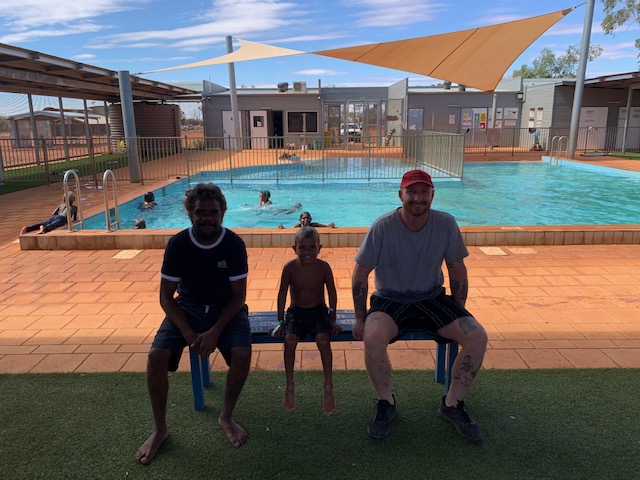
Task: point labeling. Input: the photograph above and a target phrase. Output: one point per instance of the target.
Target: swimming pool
(512, 193)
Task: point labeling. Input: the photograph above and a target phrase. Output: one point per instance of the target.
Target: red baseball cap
(415, 176)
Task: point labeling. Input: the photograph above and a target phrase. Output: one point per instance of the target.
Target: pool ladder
(105, 178)
(65, 186)
(558, 139)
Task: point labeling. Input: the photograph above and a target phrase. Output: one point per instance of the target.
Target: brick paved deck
(96, 310)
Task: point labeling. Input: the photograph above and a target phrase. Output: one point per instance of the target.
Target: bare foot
(41, 230)
(289, 402)
(329, 402)
(23, 230)
(235, 433)
(149, 449)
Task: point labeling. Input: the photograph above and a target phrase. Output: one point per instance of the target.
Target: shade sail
(477, 57)
(247, 51)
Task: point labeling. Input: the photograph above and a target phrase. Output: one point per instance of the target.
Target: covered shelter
(35, 73)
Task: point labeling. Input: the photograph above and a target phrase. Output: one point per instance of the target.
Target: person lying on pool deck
(57, 219)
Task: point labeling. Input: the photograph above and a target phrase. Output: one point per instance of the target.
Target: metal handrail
(65, 186)
(559, 140)
(105, 178)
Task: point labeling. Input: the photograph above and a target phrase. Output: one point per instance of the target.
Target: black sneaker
(460, 419)
(380, 426)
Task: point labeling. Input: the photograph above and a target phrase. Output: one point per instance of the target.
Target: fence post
(140, 160)
(45, 154)
(185, 149)
(1, 163)
(586, 139)
(230, 160)
(369, 146)
(92, 156)
(324, 167)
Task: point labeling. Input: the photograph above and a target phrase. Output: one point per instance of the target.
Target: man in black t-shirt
(206, 265)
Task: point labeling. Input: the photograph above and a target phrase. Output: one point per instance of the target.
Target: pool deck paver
(556, 306)
(76, 313)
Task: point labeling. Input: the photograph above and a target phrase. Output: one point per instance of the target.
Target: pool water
(513, 194)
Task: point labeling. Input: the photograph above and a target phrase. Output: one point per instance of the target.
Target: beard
(417, 208)
(207, 231)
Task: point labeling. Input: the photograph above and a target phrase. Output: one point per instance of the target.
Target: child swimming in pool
(264, 197)
(305, 221)
(149, 201)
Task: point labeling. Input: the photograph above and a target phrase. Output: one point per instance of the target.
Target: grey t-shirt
(408, 265)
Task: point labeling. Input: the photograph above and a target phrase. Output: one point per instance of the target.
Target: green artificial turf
(538, 424)
(627, 155)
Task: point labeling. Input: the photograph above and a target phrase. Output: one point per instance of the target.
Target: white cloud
(306, 38)
(379, 13)
(572, 29)
(226, 17)
(20, 15)
(619, 51)
(27, 35)
(318, 72)
(496, 15)
(84, 56)
(156, 59)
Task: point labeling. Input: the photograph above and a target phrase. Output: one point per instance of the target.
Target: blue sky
(143, 35)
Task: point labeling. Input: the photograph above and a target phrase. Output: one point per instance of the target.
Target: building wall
(333, 94)
(214, 105)
(443, 110)
(538, 106)
(152, 120)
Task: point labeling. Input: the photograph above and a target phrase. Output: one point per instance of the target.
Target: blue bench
(263, 322)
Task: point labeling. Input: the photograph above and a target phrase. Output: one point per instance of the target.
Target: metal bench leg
(197, 381)
(441, 358)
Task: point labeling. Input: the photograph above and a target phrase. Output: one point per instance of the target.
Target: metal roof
(28, 71)
(620, 80)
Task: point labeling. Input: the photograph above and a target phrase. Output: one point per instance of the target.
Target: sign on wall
(592, 128)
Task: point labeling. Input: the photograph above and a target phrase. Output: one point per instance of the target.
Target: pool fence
(327, 158)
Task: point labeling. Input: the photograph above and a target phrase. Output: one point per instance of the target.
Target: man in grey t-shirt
(406, 247)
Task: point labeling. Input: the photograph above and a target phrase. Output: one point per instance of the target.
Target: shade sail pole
(582, 69)
(234, 99)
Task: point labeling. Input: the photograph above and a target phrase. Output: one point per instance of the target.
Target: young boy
(306, 277)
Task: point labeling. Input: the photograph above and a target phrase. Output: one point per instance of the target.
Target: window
(532, 117)
(416, 119)
(299, 122)
(539, 117)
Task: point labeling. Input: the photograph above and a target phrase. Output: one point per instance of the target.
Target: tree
(620, 14)
(547, 65)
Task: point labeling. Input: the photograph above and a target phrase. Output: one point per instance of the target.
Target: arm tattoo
(458, 281)
(359, 297)
(459, 290)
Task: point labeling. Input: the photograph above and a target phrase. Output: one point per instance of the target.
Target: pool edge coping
(336, 237)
